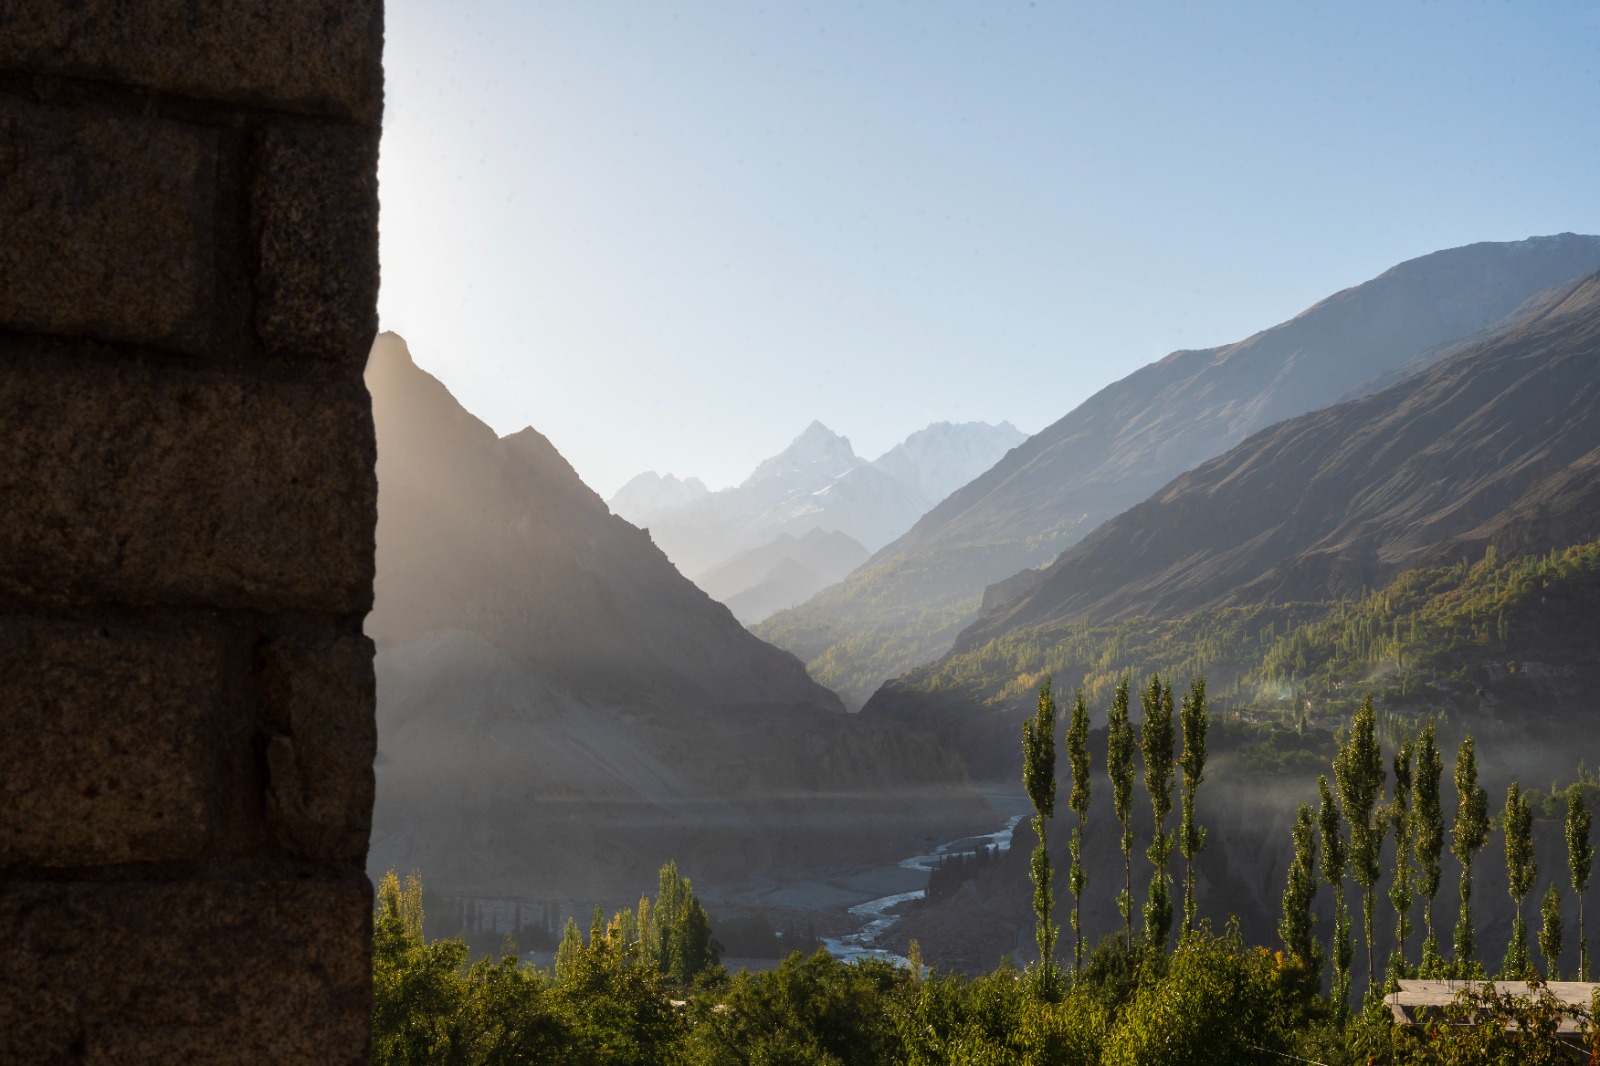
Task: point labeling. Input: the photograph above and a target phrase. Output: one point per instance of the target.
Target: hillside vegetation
(1465, 639)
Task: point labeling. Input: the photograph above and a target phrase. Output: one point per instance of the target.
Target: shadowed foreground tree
(1298, 926)
(1521, 869)
(1078, 800)
(1358, 769)
(1334, 861)
(1402, 892)
(1550, 933)
(1468, 837)
(1119, 767)
(1039, 779)
(1428, 815)
(1580, 862)
(1191, 834)
(1155, 744)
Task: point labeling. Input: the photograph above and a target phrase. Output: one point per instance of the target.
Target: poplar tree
(1155, 745)
(1078, 758)
(1580, 862)
(1520, 872)
(1298, 927)
(1428, 815)
(1467, 838)
(1335, 857)
(1550, 933)
(1039, 779)
(1358, 770)
(1192, 835)
(1401, 889)
(1119, 767)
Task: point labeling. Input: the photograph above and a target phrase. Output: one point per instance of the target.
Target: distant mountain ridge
(648, 493)
(781, 573)
(907, 605)
(1498, 444)
(816, 483)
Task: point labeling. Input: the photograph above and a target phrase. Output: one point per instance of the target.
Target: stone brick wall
(188, 283)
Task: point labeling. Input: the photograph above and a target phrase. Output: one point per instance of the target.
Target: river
(876, 914)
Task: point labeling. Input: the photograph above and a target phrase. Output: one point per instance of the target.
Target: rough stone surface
(312, 56)
(208, 972)
(320, 698)
(315, 221)
(188, 281)
(156, 485)
(108, 229)
(107, 761)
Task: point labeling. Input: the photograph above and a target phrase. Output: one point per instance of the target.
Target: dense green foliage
(645, 987)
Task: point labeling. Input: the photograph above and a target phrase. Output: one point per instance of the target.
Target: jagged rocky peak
(943, 457)
(817, 452)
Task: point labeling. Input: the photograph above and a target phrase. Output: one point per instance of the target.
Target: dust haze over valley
(561, 709)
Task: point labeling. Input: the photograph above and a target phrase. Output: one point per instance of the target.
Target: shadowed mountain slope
(908, 603)
(560, 711)
(1499, 445)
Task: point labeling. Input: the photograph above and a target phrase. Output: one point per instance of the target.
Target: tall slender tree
(1580, 862)
(1550, 932)
(1358, 769)
(1298, 926)
(1191, 834)
(1402, 890)
(1155, 744)
(1428, 816)
(1335, 857)
(1119, 767)
(1078, 800)
(1039, 779)
(1467, 837)
(1521, 869)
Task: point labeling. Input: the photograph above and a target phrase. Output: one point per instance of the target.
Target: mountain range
(817, 483)
(1498, 445)
(781, 573)
(910, 601)
(560, 711)
(1434, 545)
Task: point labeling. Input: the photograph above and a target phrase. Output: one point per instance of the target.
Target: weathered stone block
(153, 485)
(315, 56)
(321, 698)
(314, 210)
(108, 228)
(105, 761)
(220, 971)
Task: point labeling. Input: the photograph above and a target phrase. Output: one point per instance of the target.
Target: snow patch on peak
(816, 454)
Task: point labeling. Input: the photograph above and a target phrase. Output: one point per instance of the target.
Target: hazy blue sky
(669, 235)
